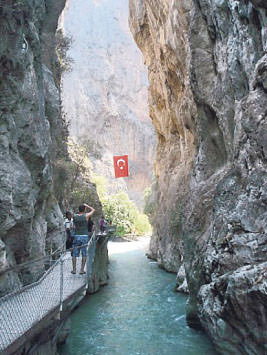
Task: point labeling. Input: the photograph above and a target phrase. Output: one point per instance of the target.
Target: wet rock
(181, 282)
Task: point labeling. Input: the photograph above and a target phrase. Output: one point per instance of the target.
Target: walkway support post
(50, 254)
(61, 286)
(87, 261)
(90, 260)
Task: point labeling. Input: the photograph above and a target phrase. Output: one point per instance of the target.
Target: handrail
(24, 288)
(22, 309)
(47, 271)
(43, 258)
(26, 263)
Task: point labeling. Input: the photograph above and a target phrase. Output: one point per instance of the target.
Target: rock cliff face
(29, 107)
(105, 94)
(161, 32)
(207, 63)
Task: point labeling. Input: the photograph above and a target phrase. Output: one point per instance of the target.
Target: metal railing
(24, 308)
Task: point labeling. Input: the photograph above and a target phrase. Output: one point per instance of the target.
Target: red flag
(121, 166)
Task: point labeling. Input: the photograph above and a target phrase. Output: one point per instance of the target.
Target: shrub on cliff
(150, 198)
(121, 210)
(62, 63)
(142, 224)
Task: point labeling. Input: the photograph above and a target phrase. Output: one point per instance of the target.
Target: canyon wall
(105, 94)
(207, 65)
(32, 143)
(173, 112)
(30, 119)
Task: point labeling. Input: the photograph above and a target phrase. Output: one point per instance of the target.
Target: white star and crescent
(123, 162)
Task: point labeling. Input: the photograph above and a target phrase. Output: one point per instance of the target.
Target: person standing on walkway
(102, 224)
(81, 238)
(68, 224)
(90, 226)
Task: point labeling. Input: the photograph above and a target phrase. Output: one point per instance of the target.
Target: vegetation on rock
(76, 183)
(123, 212)
(63, 62)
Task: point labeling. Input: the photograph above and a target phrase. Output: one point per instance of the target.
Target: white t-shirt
(68, 224)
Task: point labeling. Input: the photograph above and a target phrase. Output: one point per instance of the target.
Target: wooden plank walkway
(22, 310)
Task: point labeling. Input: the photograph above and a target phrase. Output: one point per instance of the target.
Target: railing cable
(22, 309)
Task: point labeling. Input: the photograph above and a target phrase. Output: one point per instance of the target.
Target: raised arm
(92, 211)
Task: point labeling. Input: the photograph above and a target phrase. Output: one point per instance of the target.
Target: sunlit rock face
(105, 95)
(29, 108)
(207, 67)
(161, 31)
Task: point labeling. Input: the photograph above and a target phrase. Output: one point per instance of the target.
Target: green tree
(119, 209)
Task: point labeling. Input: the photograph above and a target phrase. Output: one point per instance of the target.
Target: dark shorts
(78, 241)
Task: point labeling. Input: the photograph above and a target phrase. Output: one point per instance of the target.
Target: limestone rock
(207, 72)
(29, 213)
(172, 110)
(105, 94)
(181, 282)
(236, 299)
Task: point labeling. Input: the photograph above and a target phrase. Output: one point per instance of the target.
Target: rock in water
(207, 67)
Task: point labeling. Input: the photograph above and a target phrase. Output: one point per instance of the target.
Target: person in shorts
(81, 238)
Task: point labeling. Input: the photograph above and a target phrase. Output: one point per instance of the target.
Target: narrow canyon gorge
(207, 100)
(105, 93)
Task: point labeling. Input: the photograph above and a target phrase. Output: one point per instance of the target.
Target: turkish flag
(121, 166)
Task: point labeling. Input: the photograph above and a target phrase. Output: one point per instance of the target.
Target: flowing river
(137, 313)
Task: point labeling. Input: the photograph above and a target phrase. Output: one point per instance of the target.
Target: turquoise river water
(137, 313)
